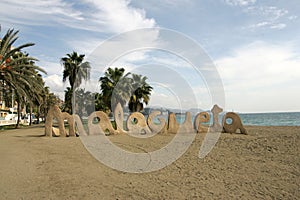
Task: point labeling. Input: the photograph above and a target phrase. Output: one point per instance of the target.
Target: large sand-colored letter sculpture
(156, 128)
(99, 123)
(234, 124)
(137, 125)
(55, 112)
(216, 126)
(202, 117)
(173, 125)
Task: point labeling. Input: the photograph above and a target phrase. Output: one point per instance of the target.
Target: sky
(253, 45)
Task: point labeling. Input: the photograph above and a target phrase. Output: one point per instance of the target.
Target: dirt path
(262, 165)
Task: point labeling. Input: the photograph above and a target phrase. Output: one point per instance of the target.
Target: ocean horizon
(260, 119)
(271, 119)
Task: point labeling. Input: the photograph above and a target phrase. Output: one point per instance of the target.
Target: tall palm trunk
(45, 110)
(38, 113)
(30, 121)
(18, 111)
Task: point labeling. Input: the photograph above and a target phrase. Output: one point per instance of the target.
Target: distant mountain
(193, 111)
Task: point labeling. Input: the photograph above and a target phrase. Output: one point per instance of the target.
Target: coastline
(262, 164)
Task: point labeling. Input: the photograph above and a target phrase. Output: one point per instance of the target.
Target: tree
(68, 100)
(18, 70)
(119, 88)
(37, 98)
(75, 70)
(49, 99)
(141, 93)
(99, 103)
(85, 102)
(115, 87)
(32, 85)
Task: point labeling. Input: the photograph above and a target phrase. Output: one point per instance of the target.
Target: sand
(265, 164)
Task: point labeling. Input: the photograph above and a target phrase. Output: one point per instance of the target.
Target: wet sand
(265, 164)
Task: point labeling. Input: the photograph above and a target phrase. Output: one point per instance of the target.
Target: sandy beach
(265, 164)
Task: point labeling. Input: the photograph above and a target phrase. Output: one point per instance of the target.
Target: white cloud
(260, 24)
(261, 77)
(54, 82)
(270, 25)
(118, 16)
(177, 3)
(113, 16)
(51, 67)
(37, 12)
(271, 16)
(270, 12)
(86, 46)
(123, 48)
(278, 26)
(240, 2)
(163, 96)
(292, 17)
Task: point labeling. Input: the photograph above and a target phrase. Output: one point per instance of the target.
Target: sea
(260, 119)
(271, 119)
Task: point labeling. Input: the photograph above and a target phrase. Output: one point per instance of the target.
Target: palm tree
(39, 100)
(30, 88)
(75, 70)
(99, 103)
(115, 87)
(141, 93)
(68, 100)
(36, 95)
(49, 99)
(85, 102)
(18, 70)
(43, 108)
